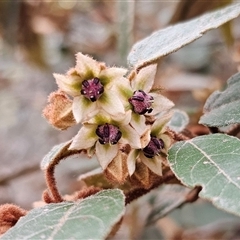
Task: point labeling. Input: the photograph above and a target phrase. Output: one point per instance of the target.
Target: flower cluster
(116, 113)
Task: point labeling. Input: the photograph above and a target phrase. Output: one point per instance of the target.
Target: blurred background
(38, 38)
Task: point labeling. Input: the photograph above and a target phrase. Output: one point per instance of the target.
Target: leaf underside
(55, 152)
(91, 218)
(170, 39)
(223, 108)
(213, 162)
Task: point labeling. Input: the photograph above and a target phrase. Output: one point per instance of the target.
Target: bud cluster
(113, 110)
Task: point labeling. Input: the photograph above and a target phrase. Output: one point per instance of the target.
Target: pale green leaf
(178, 121)
(90, 218)
(170, 39)
(223, 108)
(57, 153)
(213, 162)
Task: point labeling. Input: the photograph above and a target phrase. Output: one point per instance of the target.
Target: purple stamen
(138, 98)
(92, 89)
(108, 133)
(141, 102)
(154, 147)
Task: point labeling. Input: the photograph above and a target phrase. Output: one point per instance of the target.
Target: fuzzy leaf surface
(54, 152)
(58, 153)
(170, 39)
(90, 218)
(213, 162)
(222, 108)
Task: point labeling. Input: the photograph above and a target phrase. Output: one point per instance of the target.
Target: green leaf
(222, 108)
(170, 39)
(57, 153)
(213, 162)
(178, 121)
(90, 218)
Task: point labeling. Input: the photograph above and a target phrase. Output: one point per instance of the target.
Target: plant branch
(138, 192)
(9, 215)
(52, 185)
(53, 193)
(182, 136)
(234, 130)
(215, 130)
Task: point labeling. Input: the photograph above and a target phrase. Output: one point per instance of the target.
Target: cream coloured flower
(106, 134)
(155, 144)
(137, 95)
(90, 84)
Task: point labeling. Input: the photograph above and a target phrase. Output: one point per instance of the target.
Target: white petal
(105, 153)
(160, 125)
(67, 84)
(111, 75)
(83, 108)
(138, 123)
(87, 66)
(123, 120)
(145, 78)
(154, 164)
(130, 136)
(168, 141)
(100, 118)
(146, 137)
(103, 117)
(124, 91)
(110, 103)
(131, 161)
(160, 104)
(85, 138)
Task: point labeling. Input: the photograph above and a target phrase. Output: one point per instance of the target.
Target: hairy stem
(179, 136)
(52, 185)
(136, 193)
(234, 130)
(53, 192)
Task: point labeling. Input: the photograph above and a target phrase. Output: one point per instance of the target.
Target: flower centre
(108, 133)
(92, 89)
(141, 102)
(153, 148)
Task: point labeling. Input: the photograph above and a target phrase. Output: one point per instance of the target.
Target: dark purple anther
(154, 147)
(141, 102)
(92, 89)
(108, 133)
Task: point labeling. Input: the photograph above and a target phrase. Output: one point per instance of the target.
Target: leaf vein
(219, 169)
